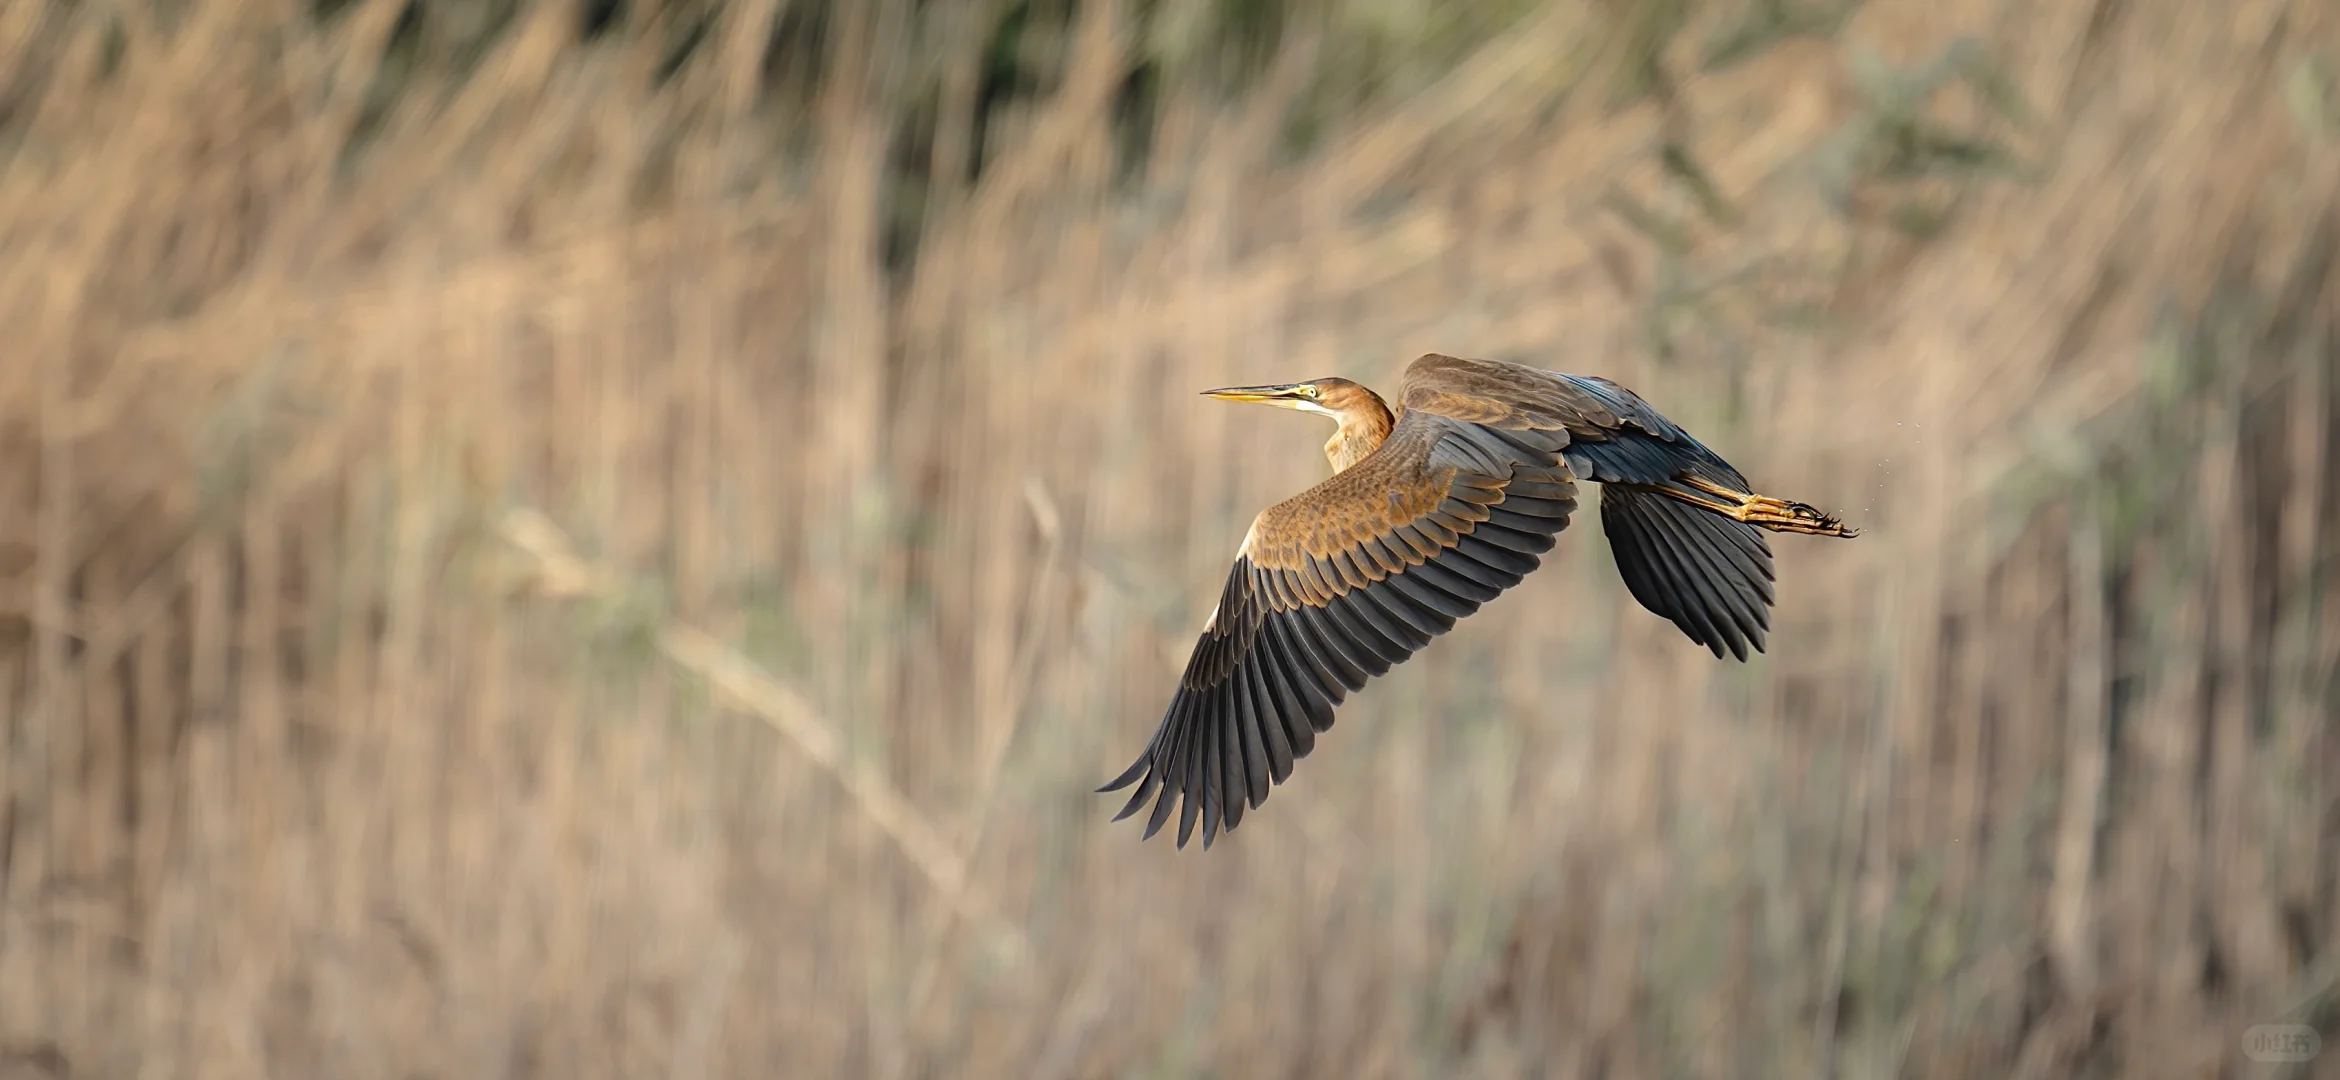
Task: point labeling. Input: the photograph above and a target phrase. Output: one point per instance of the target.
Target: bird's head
(1364, 419)
(1331, 397)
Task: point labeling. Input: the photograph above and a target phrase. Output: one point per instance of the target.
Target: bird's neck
(1363, 428)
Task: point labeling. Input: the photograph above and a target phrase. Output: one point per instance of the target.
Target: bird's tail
(1761, 511)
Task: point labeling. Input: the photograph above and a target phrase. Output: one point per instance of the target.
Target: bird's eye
(1312, 392)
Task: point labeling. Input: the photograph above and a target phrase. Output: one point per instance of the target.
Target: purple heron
(1431, 512)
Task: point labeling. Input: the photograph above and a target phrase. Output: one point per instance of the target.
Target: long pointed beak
(1282, 394)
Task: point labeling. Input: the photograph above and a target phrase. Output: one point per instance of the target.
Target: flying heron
(1429, 513)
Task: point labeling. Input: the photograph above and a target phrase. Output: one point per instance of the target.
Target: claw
(1765, 512)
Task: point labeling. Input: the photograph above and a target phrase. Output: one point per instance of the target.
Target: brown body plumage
(1429, 513)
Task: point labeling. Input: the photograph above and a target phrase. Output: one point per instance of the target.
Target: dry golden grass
(540, 595)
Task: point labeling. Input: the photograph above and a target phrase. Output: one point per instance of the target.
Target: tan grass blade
(561, 573)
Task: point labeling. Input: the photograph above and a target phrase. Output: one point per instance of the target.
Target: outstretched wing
(1344, 581)
(1710, 575)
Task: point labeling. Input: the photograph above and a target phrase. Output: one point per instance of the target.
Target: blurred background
(556, 539)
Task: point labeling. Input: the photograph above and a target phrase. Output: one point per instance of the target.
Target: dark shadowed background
(556, 540)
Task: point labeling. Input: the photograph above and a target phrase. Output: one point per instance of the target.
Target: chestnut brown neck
(1365, 422)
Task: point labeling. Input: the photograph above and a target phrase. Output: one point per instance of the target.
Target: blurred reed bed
(437, 433)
